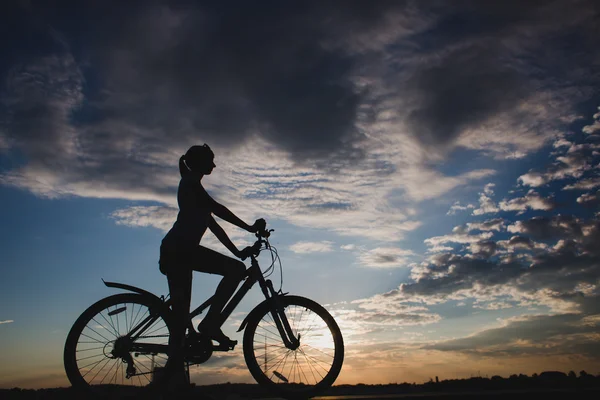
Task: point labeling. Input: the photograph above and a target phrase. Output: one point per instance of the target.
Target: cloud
(312, 247)
(458, 236)
(535, 334)
(496, 224)
(458, 207)
(463, 89)
(155, 216)
(531, 200)
(362, 86)
(486, 204)
(538, 273)
(7, 321)
(545, 228)
(520, 242)
(484, 248)
(584, 184)
(385, 257)
(573, 164)
(384, 310)
(589, 199)
(594, 127)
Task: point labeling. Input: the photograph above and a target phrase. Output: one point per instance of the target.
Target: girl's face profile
(208, 164)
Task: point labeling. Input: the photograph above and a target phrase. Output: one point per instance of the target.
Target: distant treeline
(544, 380)
(548, 380)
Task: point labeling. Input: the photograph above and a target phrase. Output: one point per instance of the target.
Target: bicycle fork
(278, 314)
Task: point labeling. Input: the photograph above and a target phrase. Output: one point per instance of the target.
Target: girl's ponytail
(183, 169)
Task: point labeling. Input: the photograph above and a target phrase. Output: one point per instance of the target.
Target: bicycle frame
(253, 275)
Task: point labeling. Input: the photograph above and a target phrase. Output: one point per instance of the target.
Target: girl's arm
(222, 236)
(223, 212)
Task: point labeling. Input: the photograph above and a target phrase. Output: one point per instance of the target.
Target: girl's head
(198, 159)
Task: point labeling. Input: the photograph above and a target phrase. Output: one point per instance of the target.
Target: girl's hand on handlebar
(245, 253)
(259, 225)
(249, 251)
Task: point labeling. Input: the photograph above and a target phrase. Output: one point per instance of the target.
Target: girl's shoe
(217, 335)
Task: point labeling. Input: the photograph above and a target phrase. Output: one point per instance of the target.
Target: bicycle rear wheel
(294, 373)
(101, 357)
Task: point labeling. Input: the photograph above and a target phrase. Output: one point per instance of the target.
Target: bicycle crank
(199, 350)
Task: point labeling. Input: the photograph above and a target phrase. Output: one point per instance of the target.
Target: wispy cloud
(458, 235)
(531, 200)
(536, 334)
(144, 216)
(312, 247)
(385, 257)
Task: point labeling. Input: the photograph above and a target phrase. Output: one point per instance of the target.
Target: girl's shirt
(194, 213)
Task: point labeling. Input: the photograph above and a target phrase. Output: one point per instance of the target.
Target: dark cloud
(520, 241)
(462, 90)
(142, 80)
(221, 73)
(576, 162)
(461, 273)
(486, 59)
(164, 74)
(484, 248)
(589, 199)
(546, 228)
(531, 200)
(544, 334)
(559, 272)
(495, 224)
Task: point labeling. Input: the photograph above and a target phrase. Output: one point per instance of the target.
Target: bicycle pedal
(226, 346)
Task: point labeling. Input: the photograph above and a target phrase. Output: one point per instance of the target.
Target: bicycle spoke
(273, 333)
(284, 360)
(272, 345)
(156, 330)
(86, 358)
(108, 340)
(319, 362)
(111, 325)
(135, 319)
(278, 339)
(95, 364)
(274, 358)
(118, 329)
(304, 333)
(93, 348)
(311, 369)
(89, 337)
(104, 365)
(328, 355)
(302, 370)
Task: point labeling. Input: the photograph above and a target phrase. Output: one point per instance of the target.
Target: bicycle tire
(269, 366)
(94, 334)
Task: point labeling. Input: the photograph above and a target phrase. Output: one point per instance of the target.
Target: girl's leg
(180, 289)
(233, 272)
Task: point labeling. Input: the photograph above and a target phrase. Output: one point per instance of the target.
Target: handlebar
(262, 237)
(264, 233)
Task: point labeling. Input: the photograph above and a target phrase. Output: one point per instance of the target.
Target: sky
(431, 170)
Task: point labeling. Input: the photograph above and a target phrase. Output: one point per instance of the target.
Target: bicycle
(291, 344)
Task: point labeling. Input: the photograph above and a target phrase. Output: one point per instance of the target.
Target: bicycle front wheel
(120, 341)
(302, 372)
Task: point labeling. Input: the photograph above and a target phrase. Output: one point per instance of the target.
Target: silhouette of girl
(181, 253)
